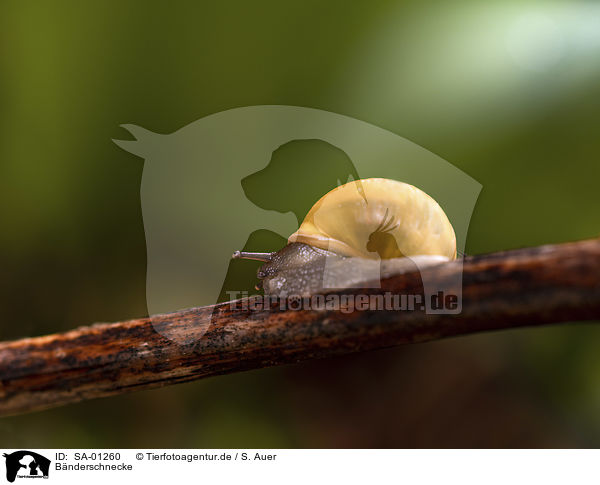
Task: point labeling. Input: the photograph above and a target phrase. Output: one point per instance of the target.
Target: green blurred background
(508, 92)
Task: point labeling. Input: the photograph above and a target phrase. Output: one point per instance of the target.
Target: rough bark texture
(533, 286)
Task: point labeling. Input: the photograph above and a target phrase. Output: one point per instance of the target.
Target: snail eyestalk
(265, 257)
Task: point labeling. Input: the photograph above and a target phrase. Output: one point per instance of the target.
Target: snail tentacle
(265, 257)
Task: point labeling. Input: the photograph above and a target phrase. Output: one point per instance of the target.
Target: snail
(358, 232)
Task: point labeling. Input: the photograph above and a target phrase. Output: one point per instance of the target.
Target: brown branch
(532, 286)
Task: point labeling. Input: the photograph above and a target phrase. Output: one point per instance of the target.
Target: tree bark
(533, 286)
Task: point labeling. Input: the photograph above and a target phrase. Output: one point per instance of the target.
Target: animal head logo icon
(26, 463)
(382, 242)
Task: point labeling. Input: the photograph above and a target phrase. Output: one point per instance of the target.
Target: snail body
(358, 232)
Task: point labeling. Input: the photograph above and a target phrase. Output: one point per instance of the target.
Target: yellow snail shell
(353, 219)
(352, 227)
